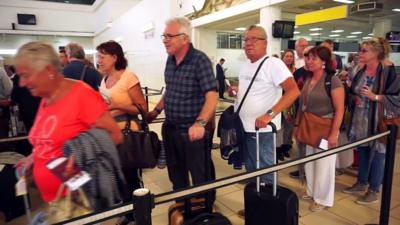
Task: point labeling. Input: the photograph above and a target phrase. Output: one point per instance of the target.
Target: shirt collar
(189, 55)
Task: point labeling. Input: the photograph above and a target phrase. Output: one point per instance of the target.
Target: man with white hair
(189, 101)
(299, 46)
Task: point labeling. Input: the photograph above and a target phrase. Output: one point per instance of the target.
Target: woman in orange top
(68, 107)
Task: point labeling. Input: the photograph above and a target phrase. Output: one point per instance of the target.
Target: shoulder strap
(83, 73)
(328, 84)
(251, 83)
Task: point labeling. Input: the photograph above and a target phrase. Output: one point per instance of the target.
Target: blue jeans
(371, 167)
(266, 153)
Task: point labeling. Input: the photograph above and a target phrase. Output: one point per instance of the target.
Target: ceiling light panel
(315, 34)
(334, 35)
(351, 36)
(356, 32)
(315, 29)
(344, 1)
(240, 28)
(337, 31)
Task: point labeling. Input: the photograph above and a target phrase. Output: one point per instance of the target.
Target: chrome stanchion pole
(143, 202)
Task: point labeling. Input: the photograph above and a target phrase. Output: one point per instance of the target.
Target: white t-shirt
(264, 93)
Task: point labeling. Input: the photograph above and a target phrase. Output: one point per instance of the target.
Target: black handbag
(230, 127)
(139, 149)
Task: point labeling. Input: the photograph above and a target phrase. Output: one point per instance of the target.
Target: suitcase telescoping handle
(275, 181)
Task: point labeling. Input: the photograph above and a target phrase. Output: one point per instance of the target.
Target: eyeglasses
(168, 37)
(363, 50)
(252, 39)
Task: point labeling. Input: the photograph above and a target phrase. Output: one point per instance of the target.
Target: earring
(51, 76)
(323, 66)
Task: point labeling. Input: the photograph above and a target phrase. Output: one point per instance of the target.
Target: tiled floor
(230, 199)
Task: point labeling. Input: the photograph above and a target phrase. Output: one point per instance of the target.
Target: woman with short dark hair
(123, 93)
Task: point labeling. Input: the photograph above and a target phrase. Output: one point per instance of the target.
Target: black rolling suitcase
(270, 204)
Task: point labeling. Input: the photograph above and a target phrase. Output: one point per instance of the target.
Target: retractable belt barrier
(187, 192)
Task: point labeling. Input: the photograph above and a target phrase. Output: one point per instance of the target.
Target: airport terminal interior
(218, 31)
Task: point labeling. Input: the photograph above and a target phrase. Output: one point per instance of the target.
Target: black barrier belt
(173, 195)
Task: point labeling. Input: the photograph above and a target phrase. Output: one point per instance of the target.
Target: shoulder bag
(230, 126)
(312, 128)
(139, 149)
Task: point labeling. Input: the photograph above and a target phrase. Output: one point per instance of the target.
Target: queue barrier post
(388, 175)
(143, 203)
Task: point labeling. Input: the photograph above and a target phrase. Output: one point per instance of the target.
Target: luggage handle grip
(271, 124)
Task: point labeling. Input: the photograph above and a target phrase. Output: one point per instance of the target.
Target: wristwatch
(202, 122)
(271, 113)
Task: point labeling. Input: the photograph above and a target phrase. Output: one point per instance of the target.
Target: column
(267, 17)
(381, 27)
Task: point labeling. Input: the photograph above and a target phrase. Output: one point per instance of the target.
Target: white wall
(49, 16)
(146, 57)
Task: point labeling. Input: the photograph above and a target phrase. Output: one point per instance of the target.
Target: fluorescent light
(241, 28)
(364, 38)
(315, 29)
(337, 31)
(334, 35)
(296, 32)
(352, 36)
(315, 34)
(371, 34)
(344, 1)
(396, 10)
(8, 51)
(295, 27)
(356, 32)
(258, 24)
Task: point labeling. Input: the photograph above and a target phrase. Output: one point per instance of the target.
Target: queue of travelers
(287, 91)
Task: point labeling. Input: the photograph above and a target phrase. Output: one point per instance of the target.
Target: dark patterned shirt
(186, 86)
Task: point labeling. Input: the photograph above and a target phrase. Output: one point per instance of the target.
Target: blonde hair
(379, 45)
(185, 25)
(40, 54)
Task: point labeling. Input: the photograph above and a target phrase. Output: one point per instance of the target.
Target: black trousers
(221, 87)
(184, 156)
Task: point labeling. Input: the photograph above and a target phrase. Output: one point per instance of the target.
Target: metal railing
(178, 194)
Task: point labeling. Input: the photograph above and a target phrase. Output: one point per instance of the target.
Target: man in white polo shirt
(264, 101)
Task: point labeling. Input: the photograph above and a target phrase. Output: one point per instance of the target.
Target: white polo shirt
(264, 93)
